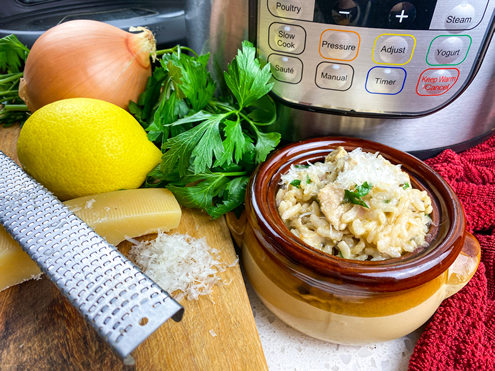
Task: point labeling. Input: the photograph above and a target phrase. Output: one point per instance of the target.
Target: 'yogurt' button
(339, 45)
(385, 80)
(294, 9)
(393, 49)
(334, 76)
(461, 17)
(436, 81)
(287, 38)
(448, 50)
(286, 69)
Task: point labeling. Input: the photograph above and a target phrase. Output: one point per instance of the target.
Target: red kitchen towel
(461, 334)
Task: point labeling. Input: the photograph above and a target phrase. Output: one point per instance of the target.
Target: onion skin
(87, 59)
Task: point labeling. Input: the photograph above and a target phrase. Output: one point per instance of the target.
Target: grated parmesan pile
(180, 264)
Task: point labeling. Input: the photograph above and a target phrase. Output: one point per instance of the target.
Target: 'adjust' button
(393, 49)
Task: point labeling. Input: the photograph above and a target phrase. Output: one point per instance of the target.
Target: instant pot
(414, 75)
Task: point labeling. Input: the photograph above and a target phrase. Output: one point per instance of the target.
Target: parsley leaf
(406, 185)
(307, 179)
(296, 183)
(210, 145)
(245, 77)
(354, 197)
(13, 56)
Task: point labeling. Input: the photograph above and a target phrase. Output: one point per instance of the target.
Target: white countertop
(288, 349)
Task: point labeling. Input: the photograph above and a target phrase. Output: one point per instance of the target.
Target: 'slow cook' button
(339, 45)
(393, 49)
(448, 50)
(286, 69)
(385, 80)
(334, 76)
(287, 38)
(436, 81)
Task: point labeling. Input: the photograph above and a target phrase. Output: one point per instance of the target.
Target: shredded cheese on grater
(180, 264)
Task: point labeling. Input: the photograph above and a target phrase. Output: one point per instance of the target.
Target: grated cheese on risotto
(355, 205)
(180, 264)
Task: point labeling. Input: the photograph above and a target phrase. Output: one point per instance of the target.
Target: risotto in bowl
(353, 242)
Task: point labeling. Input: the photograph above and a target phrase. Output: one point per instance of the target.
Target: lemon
(79, 147)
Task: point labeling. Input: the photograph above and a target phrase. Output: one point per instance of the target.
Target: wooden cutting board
(40, 330)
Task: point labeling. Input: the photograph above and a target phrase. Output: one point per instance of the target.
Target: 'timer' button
(385, 80)
(293, 9)
(287, 38)
(286, 69)
(334, 76)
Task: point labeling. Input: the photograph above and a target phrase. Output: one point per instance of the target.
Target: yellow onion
(87, 59)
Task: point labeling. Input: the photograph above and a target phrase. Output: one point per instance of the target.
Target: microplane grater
(116, 298)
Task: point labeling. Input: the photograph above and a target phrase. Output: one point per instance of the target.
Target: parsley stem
(12, 78)
(175, 49)
(9, 92)
(14, 107)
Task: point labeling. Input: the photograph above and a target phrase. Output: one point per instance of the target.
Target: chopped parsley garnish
(387, 201)
(307, 179)
(340, 254)
(406, 185)
(296, 183)
(354, 197)
(301, 166)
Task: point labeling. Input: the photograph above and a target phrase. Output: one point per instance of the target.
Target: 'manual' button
(393, 49)
(286, 69)
(436, 81)
(334, 76)
(287, 38)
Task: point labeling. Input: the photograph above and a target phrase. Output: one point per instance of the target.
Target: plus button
(401, 16)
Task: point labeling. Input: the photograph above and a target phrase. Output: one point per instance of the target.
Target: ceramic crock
(348, 301)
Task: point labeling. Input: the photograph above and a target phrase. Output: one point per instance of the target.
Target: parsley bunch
(12, 59)
(210, 145)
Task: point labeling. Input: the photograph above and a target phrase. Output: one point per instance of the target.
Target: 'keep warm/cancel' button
(436, 81)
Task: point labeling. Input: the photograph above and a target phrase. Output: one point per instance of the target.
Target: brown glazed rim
(310, 264)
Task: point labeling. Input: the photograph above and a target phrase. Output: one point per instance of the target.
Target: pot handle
(464, 267)
(237, 226)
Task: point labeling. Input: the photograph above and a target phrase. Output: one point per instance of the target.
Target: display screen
(409, 15)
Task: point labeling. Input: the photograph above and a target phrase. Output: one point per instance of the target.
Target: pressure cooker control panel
(372, 57)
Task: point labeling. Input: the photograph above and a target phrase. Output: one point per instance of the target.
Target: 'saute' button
(393, 49)
(286, 69)
(334, 76)
(436, 81)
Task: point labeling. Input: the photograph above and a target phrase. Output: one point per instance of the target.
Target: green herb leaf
(307, 179)
(340, 254)
(354, 197)
(406, 185)
(296, 183)
(13, 54)
(245, 77)
(301, 166)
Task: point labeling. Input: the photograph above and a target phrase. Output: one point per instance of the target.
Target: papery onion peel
(87, 59)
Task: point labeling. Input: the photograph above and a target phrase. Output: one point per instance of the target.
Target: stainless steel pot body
(219, 26)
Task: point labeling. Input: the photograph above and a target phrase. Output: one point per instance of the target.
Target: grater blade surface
(115, 297)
